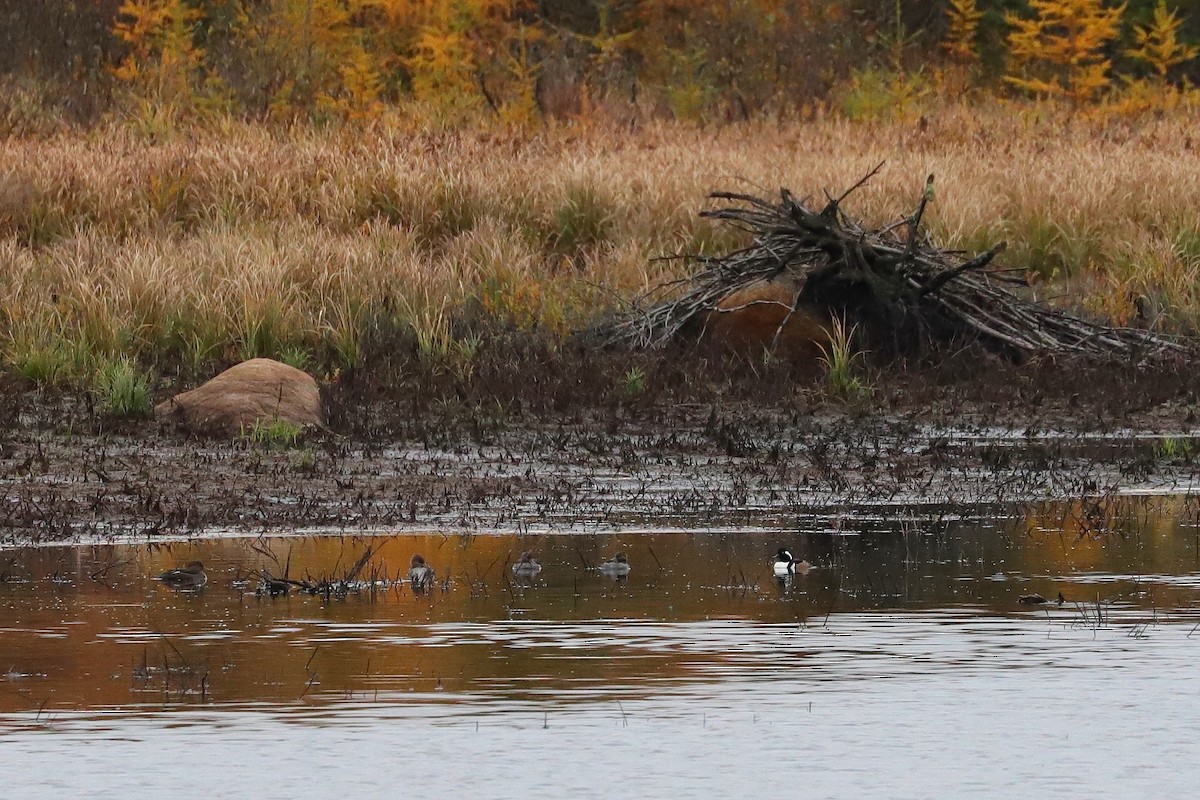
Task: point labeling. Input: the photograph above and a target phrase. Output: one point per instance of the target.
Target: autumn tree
(162, 58)
(962, 18)
(521, 71)
(439, 51)
(737, 57)
(308, 55)
(1158, 44)
(1060, 51)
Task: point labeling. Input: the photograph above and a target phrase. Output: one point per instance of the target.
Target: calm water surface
(901, 665)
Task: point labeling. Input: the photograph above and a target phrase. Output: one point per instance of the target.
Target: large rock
(258, 391)
(748, 320)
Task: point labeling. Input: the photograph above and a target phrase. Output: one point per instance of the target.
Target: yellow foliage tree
(1060, 51)
(441, 45)
(520, 106)
(362, 85)
(963, 25)
(1158, 44)
(442, 65)
(314, 54)
(162, 58)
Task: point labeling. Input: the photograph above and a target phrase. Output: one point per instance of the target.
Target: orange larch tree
(1060, 51)
(1158, 45)
(162, 58)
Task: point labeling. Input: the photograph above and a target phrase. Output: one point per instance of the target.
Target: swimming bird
(1036, 599)
(527, 566)
(274, 587)
(420, 575)
(786, 564)
(190, 576)
(617, 565)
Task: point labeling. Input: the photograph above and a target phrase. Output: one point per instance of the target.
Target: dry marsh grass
(242, 240)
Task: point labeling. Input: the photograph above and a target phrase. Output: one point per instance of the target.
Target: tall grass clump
(35, 347)
(43, 361)
(840, 359)
(122, 389)
(581, 221)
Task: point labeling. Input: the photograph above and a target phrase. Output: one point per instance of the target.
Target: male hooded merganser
(617, 565)
(786, 564)
(189, 577)
(528, 565)
(419, 575)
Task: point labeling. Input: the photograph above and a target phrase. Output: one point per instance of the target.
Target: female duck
(189, 577)
(617, 565)
(527, 566)
(420, 575)
(1037, 600)
(786, 564)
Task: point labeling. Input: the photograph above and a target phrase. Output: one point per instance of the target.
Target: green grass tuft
(122, 390)
(840, 360)
(633, 383)
(277, 433)
(294, 356)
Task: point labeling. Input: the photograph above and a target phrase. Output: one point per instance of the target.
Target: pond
(902, 661)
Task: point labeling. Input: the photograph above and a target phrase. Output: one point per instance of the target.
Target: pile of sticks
(893, 283)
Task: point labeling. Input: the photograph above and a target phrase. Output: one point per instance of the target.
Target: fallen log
(893, 283)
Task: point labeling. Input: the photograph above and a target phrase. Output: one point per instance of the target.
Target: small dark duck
(527, 566)
(190, 576)
(617, 565)
(274, 587)
(420, 575)
(1037, 600)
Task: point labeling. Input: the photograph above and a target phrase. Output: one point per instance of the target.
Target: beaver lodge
(807, 268)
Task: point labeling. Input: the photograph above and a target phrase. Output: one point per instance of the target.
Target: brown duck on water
(617, 565)
(420, 575)
(1037, 600)
(190, 576)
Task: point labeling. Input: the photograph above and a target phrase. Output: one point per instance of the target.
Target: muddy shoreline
(743, 454)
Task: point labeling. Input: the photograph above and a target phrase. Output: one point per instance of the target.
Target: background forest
(524, 61)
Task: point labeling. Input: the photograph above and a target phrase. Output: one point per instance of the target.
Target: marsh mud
(701, 469)
(577, 439)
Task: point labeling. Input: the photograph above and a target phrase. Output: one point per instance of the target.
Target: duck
(786, 564)
(617, 565)
(527, 565)
(1036, 599)
(274, 587)
(420, 575)
(190, 576)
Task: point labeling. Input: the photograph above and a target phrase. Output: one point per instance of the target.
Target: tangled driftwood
(899, 288)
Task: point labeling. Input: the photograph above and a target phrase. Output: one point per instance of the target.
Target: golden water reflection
(90, 627)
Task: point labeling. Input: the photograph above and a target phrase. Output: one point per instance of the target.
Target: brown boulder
(748, 319)
(258, 391)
